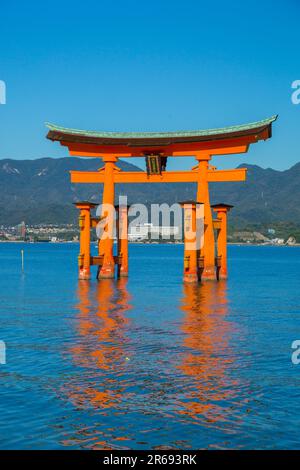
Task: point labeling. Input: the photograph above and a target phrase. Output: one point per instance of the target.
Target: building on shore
(153, 232)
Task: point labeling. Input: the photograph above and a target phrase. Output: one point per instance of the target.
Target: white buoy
(22, 258)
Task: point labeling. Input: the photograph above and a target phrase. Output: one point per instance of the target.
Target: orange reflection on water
(208, 359)
(101, 343)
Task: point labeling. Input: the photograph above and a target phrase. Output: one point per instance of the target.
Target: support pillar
(222, 210)
(190, 269)
(122, 231)
(106, 244)
(84, 258)
(208, 250)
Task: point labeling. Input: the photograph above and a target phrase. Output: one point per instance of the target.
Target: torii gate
(157, 147)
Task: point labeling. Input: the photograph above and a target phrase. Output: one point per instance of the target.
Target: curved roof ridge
(143, 135)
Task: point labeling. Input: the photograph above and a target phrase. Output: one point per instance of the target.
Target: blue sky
(145, 66)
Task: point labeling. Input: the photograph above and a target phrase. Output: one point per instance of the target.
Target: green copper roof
(146, 135)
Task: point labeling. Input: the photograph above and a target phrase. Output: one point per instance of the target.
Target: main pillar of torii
(105, 246)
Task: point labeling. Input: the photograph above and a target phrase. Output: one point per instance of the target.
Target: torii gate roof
(141, 142)
(100, 137)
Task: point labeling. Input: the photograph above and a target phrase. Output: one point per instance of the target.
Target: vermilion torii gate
(200, 264)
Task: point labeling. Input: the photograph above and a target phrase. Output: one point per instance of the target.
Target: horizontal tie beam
(238, 174)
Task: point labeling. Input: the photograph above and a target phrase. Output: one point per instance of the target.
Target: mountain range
(39, 192)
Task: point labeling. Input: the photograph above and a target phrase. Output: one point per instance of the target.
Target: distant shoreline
(146, 243)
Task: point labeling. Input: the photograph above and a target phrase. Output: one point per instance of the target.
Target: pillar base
(84, 274)
(223, 275)
(123, 274)
(209, 274)
(107, 271)
(190, 277)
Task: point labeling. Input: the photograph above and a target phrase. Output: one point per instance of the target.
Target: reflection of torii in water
(101, 345)
(209, 359)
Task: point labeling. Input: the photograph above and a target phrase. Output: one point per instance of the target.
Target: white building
(155, 232)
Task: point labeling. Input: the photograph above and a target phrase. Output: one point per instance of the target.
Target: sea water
(147, 362)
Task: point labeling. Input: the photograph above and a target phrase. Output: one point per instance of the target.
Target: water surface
(149, 363)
